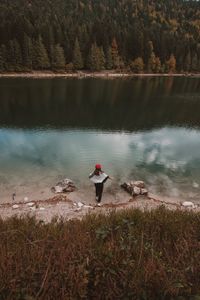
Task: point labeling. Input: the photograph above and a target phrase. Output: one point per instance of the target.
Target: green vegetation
(125, 255)
(122, 35)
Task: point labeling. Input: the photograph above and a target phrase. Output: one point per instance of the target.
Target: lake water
(146, 129)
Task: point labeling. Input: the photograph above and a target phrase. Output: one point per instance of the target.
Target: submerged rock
(64, 186)
(135, 188)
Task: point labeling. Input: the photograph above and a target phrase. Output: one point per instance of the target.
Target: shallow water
(137, 128)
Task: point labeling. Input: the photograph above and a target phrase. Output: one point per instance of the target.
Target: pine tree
(58, 59)
(115, 54)
(2, 58)
(187, 62)
(102, 60)
(171, 64)
(40, 56)
(157, 65)
(109, 62)
(77, 56)
(94, 60)
(151, 65)
(137, 65)
(194, 65)
(14, 56)
(27, 52)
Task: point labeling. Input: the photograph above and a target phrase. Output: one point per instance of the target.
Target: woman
(98, 177)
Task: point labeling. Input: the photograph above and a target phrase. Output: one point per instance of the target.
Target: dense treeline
(134, 35)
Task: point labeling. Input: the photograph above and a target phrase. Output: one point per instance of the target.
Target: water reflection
(133, 104)
(167, 159)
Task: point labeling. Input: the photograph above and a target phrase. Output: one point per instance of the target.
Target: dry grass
(125, 255)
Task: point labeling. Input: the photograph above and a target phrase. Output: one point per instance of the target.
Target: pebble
(15, 206)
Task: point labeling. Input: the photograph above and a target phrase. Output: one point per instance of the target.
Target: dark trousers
(99, 191)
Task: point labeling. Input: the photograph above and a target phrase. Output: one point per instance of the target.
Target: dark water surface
(137, 128)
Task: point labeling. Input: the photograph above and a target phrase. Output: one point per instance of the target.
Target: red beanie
(98, 167)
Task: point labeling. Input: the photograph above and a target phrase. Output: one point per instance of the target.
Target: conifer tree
(157, 65)
(151, 65)
(194, 65)
(115, 54)
(171, 64)
(94, 60)
(187, 62)
(137, 65)
(77, 56)
(2, 58)
(102, 60)
(40, 56)
(109, 62)
(58, 59)
(27, 52)
(14, 56)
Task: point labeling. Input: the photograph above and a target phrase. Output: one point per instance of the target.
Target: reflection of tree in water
(119, 104)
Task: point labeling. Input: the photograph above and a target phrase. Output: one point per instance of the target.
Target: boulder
(139, 184)
(135, 188)
(64, 186)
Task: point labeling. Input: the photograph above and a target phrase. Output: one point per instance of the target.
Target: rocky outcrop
(64, 186)
(135, 188)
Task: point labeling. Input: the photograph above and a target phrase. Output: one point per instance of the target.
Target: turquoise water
(137, 129)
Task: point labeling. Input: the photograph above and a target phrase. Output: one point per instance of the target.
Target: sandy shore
(104, 74)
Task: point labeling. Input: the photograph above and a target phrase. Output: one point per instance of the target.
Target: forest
(152, 36)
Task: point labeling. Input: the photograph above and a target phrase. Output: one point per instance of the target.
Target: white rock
(42, 208)
(80, 204)
(58, 189)
(26, 199)
(30, 204)
(139, 184)
(189, 204)
(195, 185)
(74, 204)
(136, 190)
(15, 206)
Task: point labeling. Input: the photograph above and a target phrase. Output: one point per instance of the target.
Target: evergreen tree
(171, 64)
(14, 56)
(27, 52)
(109, 62)
(94, 59)
(157, 65)
(40, 56)
(102, 60)
(115, 54)
(2, 58)
(187, 62)
(194, 65)
(77, 56)
(151, 65)
(58, 59)
(137, 65)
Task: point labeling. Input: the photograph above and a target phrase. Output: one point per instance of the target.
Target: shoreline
(79, 203)
(82, 74)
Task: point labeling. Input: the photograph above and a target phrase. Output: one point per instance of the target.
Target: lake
(137, 128)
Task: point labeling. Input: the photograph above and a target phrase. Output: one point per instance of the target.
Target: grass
(125, 255)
